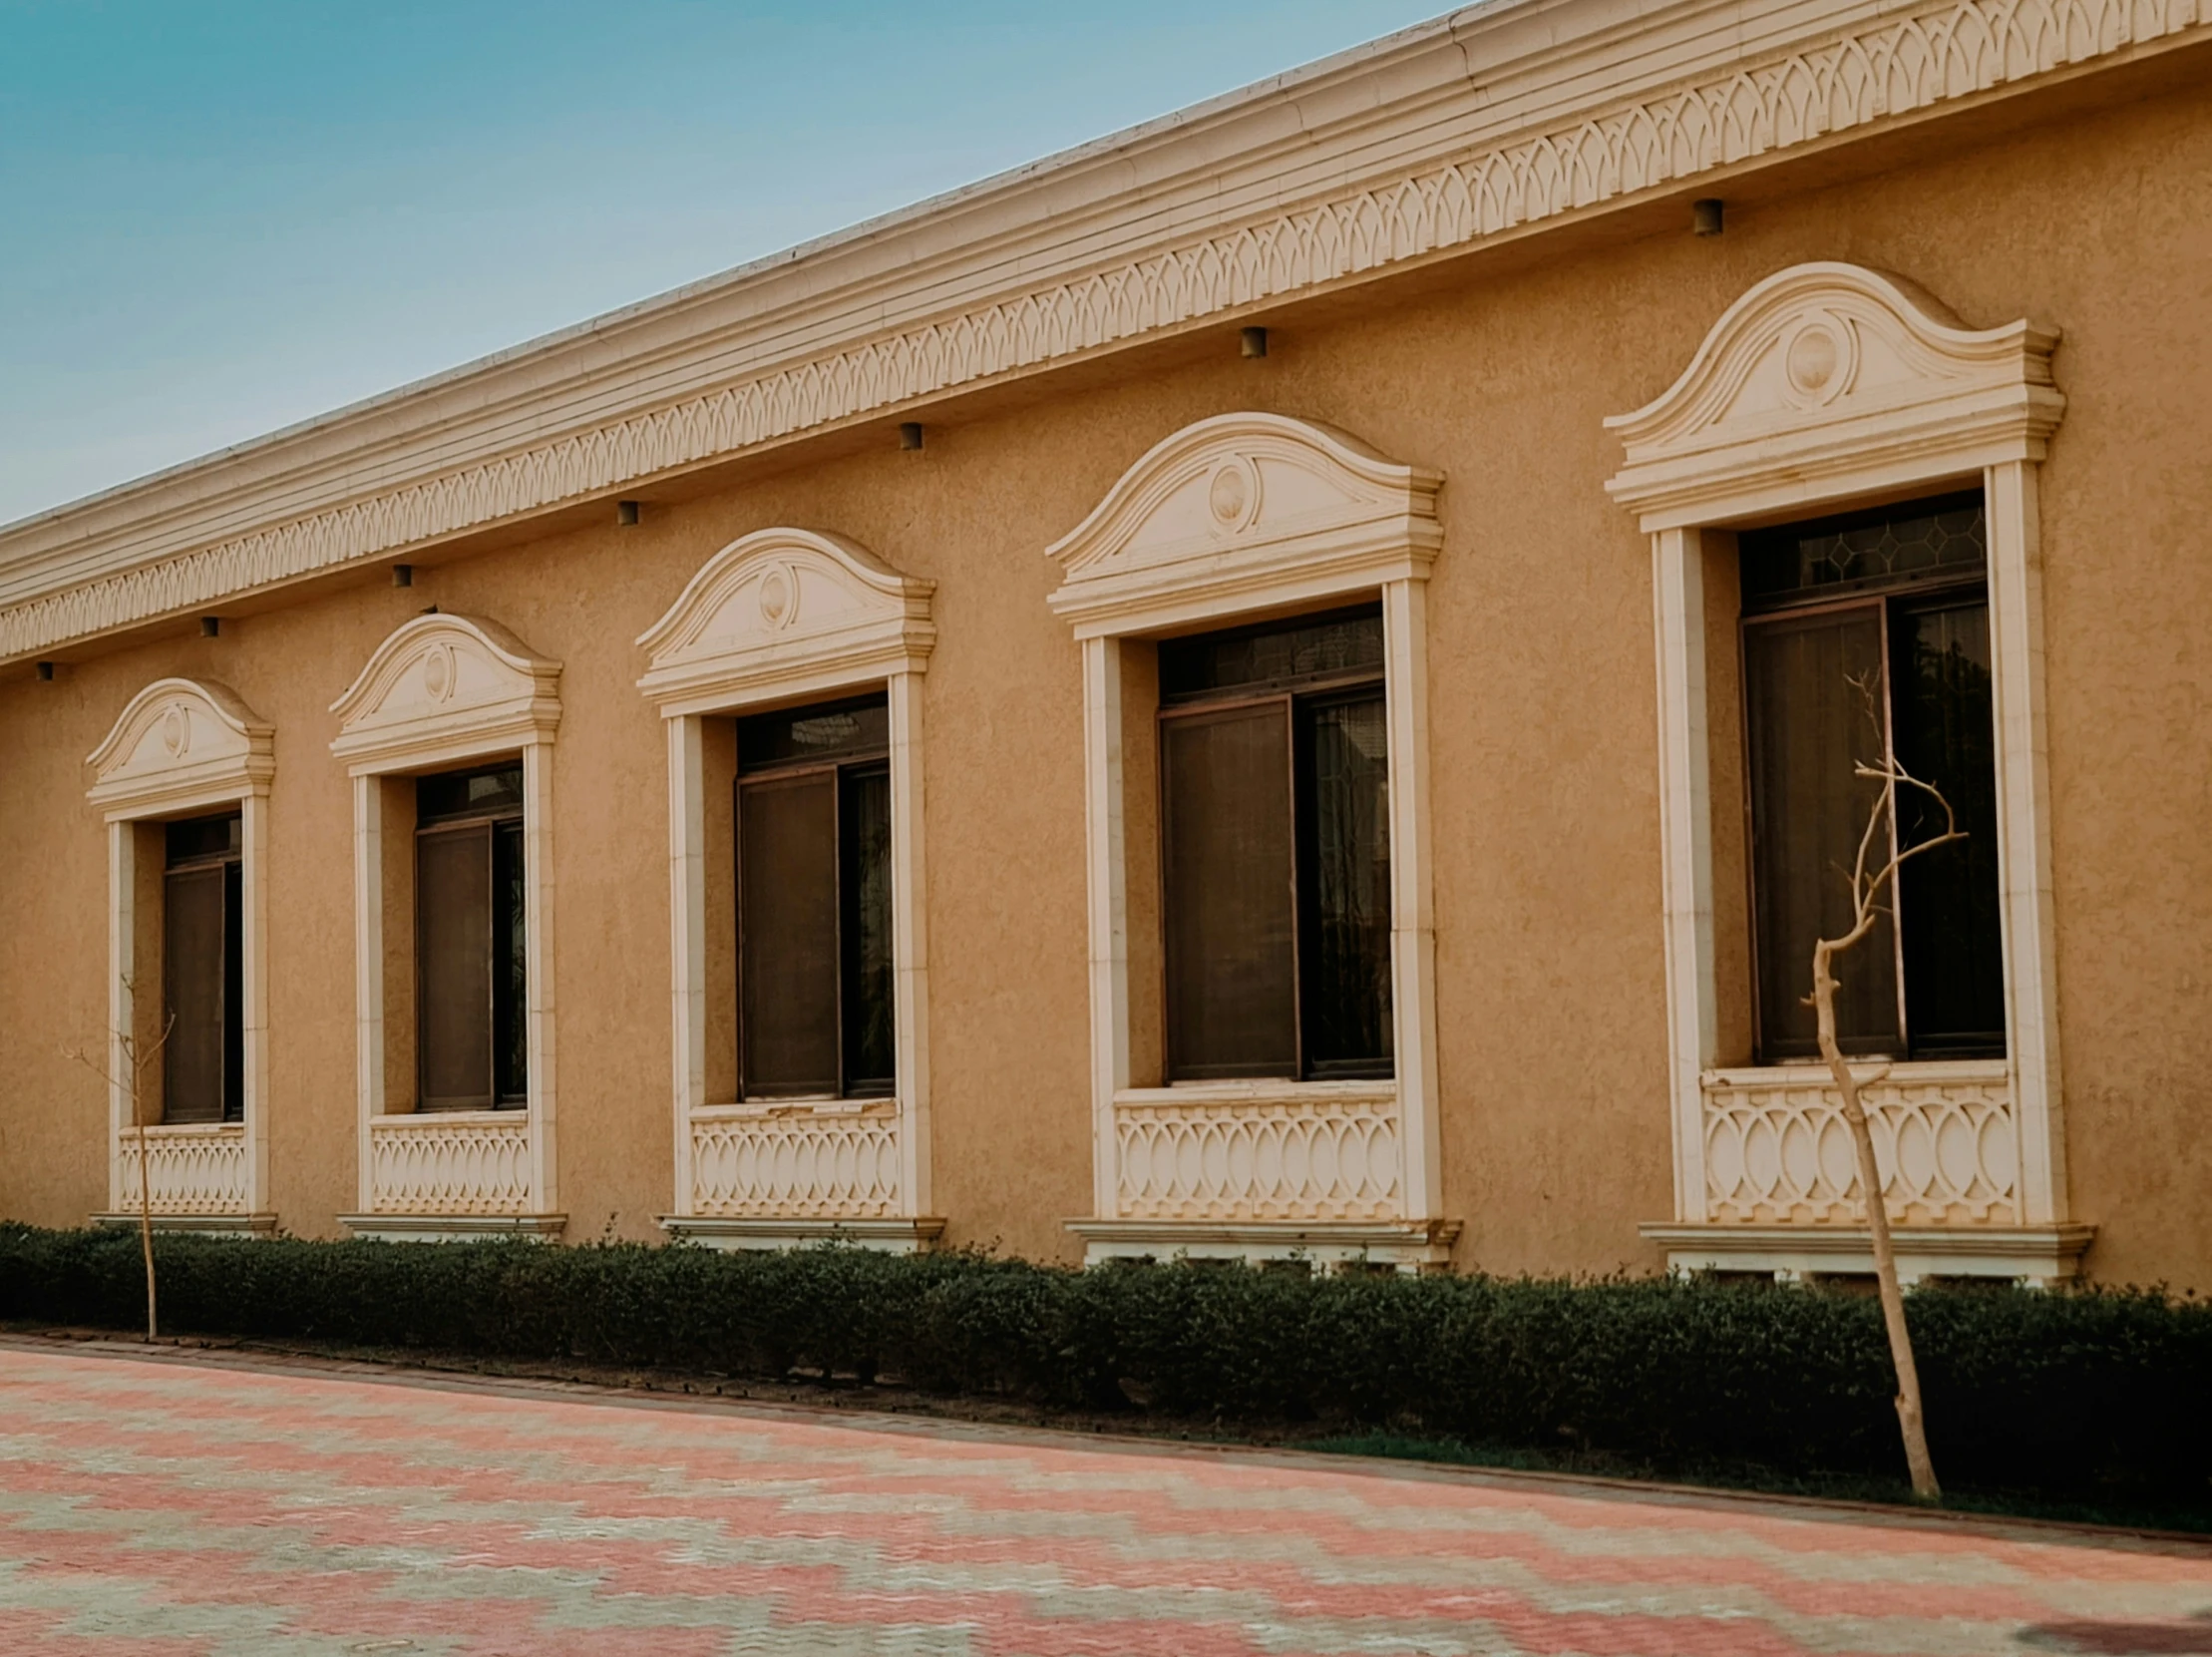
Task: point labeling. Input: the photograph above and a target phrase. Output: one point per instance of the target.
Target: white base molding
(2040, 1255)
(1401, 1245)
(452, 1228)
(719, 1231)
(207, 1225)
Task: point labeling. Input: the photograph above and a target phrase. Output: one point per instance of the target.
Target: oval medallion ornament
(176, 730)
(438, 672)
(776, 596)
(1817, 362)
(1234, 495)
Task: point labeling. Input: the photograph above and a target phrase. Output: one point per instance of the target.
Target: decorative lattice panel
(1780, 1151)
(431, 1165)
(195, 1170)
(1288, 1158)
(799, 1164)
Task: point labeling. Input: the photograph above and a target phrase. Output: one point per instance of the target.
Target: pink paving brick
(198, 1509)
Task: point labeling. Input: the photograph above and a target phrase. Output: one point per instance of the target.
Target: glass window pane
(1229, 900)
(195, 838)
(1862, 552)
(453, 947)
(787, 936)
(1945, 734)
(1808, 724)
(509, 967)
(487, 791)
(1276, 655)
(192, 972)
(1344, 963)
(854, 728)
(864, 872)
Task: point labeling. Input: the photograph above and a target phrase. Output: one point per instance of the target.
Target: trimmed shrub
(2084, 1396)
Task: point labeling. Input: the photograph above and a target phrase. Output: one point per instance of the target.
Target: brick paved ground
(164, 1508)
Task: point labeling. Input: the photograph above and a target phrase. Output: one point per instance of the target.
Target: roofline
(1500, 120)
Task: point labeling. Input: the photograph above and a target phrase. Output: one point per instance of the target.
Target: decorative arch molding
(1828, 386)
(1828, 380)
(1241, 507)
(179, 747)
(445, 686)
(1239, 517)
(443, 690)
(180, 743)
(782, 616)
(783, 612)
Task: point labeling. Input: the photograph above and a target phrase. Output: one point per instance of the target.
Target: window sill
(429, 1121)
(825, 1105)
(1905, 1073)
(1259, 1091)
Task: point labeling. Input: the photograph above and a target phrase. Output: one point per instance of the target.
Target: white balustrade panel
(1777, 1149)
(839, 1162)
(462, 1163)
(196, 1168)
(1296, 1155)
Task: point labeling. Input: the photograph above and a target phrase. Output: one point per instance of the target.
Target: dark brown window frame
(1297, 696)
(839, 768)
(227, 865)
(491, 823)
(1929, 590)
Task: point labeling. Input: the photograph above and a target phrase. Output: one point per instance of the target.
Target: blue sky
(218, 218)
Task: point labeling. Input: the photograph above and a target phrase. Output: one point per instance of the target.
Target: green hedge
(2068, 1396)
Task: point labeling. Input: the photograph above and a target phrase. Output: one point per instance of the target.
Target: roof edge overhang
(1487, 123)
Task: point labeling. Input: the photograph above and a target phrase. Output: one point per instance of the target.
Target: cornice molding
(180, 743)
(1487, 123)
(444, 688)
(785, 612)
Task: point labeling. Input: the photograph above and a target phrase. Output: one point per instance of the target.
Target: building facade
(1286, 683)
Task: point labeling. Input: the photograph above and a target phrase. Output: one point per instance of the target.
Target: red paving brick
(200, 1509)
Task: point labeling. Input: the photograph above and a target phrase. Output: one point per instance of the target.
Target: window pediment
(180, 742)
(445, 686)
(1824, 371)
(1237, 508)
(784, 610)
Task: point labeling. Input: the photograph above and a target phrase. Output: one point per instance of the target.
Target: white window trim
(182, 747)
(777, 618)
(1826, 386)
(1232, 519)
(440, 692)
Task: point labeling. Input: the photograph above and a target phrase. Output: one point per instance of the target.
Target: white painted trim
(1828, 384)
(1495, 122)
(181, 747)
(453, 1228)
(1107, 901)
(1686, 847)
(443, 690)
(1403, 1246)
(917, 1235)
(687, 930)
(2041, 1256)
(777, 616)
(1236, 516)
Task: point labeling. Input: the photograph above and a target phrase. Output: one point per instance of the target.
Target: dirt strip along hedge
(2072, 1395)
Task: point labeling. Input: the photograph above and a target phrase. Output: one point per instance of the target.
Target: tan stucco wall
(1551, 992)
